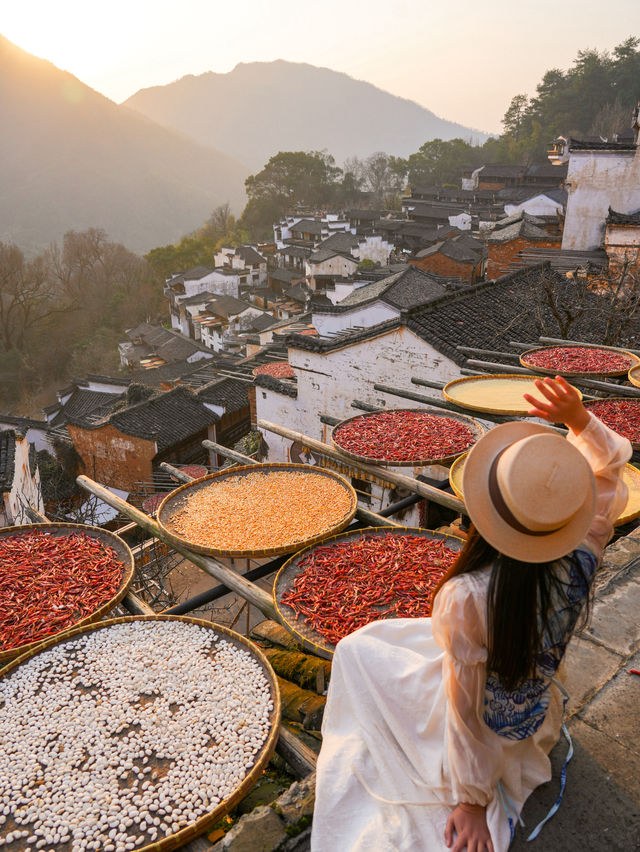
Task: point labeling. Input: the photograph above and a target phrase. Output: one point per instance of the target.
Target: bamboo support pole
(413, 485)
(591, 384)
(554, 341)
(439, 403)
(364, 406)
(132, 603)
(234, 455)
(234, 582)
(426, 383)
(487, 353)
(362, 514)
(176, 472)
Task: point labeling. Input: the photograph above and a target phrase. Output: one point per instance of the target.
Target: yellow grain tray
(634, 375)
(501, 393)
(524, 360)
(260, 759)
(178, 501)
(631, 476)
(61, 530)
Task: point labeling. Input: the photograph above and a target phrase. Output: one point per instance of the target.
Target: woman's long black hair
(518, 604)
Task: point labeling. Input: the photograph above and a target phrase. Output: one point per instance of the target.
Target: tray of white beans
(133, 734)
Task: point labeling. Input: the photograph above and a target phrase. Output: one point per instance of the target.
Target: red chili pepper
(579, 359)
(621, 415)
(403, 435)
(48, 583)
(347, 585)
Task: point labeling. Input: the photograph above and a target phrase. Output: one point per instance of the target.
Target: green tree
(289, 178)
(515, 116)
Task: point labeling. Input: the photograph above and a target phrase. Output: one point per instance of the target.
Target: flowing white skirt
(382, 780)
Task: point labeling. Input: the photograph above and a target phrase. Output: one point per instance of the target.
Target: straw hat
(529, 492)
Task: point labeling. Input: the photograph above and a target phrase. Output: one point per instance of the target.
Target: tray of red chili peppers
(327, 591)
(406, 436)
(622, 414)
(578, 360)
(57, 576)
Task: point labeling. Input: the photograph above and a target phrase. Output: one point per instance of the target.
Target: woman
(437, 730)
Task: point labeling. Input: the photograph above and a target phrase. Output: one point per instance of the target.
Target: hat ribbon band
(501, 507)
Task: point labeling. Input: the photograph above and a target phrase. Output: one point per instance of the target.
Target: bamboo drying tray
(175, 501)
(591, 403)
(300, 629)
(633, 361)
(185, 835)
(61, 530)
(630, 475)
(469, 422)
(487, 391)
(634, 375)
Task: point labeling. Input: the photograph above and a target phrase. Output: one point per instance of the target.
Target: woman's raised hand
(561, 404)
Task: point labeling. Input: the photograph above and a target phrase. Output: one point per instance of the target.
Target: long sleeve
(475, 757)
(607, 453)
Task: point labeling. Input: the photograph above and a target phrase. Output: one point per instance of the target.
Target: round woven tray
(300, 629)
(593, 402)
(630, 475)
(124, 554)
(634, 360)
(176, 501)
(190, 832)
(491, 384)
(469, 422)
(634, 375)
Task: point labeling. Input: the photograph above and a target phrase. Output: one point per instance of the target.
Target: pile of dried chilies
(403, 435)
(579, 359)
(278, 370)
(349, 584)
(621, 415)
(48, 583)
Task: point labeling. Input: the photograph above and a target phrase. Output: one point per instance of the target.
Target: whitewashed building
(600, 175)
(19, 479)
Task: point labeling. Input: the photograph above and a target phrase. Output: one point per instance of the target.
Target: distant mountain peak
(293, 106)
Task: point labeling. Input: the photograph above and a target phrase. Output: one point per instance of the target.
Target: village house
(517, 234)
(323, 266)
(229, 399)
(600, 175)
(622, 239)
(127, 446)
(545, 202)
(246, 258)
(19, 478)
(333, 369)
(151, 345)
(461, 256)
(307, 231)
(226, 280)
(370, 304)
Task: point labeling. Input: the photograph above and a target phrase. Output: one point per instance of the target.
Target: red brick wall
(441, 265)
(113, 458)
(501, 255)
(485, 184)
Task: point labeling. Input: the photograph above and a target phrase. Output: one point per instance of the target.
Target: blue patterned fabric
(518, 713)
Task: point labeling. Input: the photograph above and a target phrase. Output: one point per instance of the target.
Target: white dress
(405, 736)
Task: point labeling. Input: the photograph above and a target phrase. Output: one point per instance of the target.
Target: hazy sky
(462, 59)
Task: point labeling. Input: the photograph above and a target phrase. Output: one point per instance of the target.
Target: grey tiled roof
(7, 458)
(307, 226)
(82, 403)
(250, 255)
(231, 393)
(599, 145)
(405, 289)
(341, 241)
(167, 418)
(265, 381)
(615, 218)
(323, 254)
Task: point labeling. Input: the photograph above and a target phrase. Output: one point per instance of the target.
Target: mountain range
(70, 158)
(261, 108)
(152, 169)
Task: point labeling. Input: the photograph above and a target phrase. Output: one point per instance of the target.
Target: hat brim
(488, 521)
